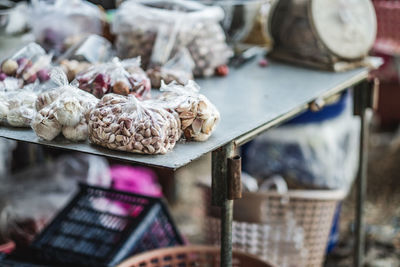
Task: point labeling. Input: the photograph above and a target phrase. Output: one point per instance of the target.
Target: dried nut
(112, 138)
(119, 138)
(138, 137)
(147, 133)
(146, 141)
(138, 146)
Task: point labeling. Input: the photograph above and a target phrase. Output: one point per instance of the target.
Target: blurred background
(315, 151)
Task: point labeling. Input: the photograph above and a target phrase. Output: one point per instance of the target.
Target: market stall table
(251, 99)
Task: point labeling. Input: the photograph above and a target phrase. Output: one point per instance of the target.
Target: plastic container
(102, 227)
(312, 210)
(191, 256)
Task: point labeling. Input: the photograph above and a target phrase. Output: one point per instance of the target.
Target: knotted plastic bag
(29, 65)
(198, 116)
(63, 109)
(119, 77)
(124, 123)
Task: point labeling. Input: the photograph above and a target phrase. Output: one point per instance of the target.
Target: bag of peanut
(197, 114)
(123, 123)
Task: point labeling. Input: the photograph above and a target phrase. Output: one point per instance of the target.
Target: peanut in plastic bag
(156, 30)
(56, 23)
(124, 123)
(198, 116)
(120, 77)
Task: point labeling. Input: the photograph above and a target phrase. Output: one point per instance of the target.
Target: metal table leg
(363, 100)
(220, 198)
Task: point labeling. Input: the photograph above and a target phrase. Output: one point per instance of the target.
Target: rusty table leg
(363, 100)
(220, 198)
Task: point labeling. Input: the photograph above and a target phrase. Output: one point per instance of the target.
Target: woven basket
(201, 256)
(257, 215)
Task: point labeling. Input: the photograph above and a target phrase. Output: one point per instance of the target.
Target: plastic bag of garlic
(120, 77)
(197, 114)
(156, 29)
(63, 109)
(123, 123)
(17, 108)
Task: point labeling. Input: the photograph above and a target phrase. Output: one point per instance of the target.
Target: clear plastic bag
(10, 83)
(316, 155)
(30, 64)
(55, 23)
(119, 77)
(197, 114)
(80, 57)
(179, 69)
(78, 132)
(33, 196)
(45, 123)
(93, 49)
(18, 108)
(157, 29)
(124, 123)
(62, 109)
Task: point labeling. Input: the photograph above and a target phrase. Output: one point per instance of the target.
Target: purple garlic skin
(3, 76)
(31, 79)
(43, 75)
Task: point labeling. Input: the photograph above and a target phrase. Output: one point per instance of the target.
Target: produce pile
(108, 104)
(74, 87)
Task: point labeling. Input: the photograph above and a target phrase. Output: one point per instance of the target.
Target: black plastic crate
(102, 227)
(10, 261)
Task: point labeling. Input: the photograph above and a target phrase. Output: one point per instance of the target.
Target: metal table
(251, 100)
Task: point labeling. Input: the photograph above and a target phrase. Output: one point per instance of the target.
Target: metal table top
(250, 100)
